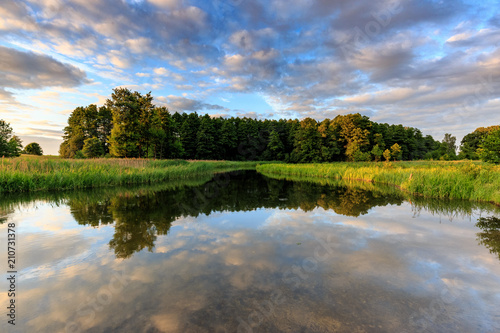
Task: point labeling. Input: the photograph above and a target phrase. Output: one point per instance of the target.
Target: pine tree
(206, 148)
(275, 146)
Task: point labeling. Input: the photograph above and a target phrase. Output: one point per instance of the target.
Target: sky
(430, 64)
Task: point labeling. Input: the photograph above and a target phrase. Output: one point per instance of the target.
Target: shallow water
(246, 253)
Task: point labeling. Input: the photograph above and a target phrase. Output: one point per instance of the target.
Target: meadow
(33, 173)
(466, 180)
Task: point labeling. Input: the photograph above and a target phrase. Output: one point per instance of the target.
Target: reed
(455, 180)
(23, 174)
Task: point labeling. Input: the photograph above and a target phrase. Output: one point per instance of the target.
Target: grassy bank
(456, 180)
(27, 173)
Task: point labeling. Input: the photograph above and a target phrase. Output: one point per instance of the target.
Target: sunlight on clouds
(293, 55)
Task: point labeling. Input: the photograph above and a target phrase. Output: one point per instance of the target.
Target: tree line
(130, 125)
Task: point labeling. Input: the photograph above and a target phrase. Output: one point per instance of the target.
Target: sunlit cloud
(384, 59)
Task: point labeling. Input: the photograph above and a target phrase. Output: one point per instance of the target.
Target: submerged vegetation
(454, 180)
(27, 173)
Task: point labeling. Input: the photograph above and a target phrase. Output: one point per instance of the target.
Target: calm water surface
(246, 253)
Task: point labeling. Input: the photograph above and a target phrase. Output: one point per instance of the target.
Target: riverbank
(27, 173)
(455, 180)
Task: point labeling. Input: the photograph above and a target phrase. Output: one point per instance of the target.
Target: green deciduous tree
(489, 149)
(470, 143)
(92, 147)
(387, 155)
(131, 117)
(5, 135)
(396, 152)
(83, 123)
(15, 146)
(33, 149)
(10, 145)
(353, 133)
(377, 153)
(330, 150)
(449, 145)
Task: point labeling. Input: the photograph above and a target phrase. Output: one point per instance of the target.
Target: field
(455, 180)
(30, 173)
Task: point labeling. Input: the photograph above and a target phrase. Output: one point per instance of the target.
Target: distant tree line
(130, 125)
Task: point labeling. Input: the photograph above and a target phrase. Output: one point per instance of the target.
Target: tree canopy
(33, 149)
(472, 143)
(130, 125)
(10, 144)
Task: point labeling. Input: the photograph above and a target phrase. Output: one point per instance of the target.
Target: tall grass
(24, 174)
(456, 180)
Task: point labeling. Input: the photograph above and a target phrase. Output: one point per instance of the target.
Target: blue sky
(429, 64)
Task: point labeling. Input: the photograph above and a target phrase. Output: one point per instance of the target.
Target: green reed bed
(24, 174)
(456, 180)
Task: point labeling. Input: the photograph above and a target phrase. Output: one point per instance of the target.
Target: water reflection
(250, 253)
(143, 213)
(490, 235)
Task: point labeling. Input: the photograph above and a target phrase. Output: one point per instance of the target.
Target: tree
(489, 150)
(307, 139)
(188, 134)
(330, 150)
(396, 152)
(353, 133)
(5, 136)
(131, 111)
(83, 123)
(104, 126)
(164, 141)
(15, 146)
(377, 153)
(228, 138)
(275, 146)
(449, 145)
(470, 143)
(490, 235)
(92, 147)
(33, 149)
(387, 155)
(206, 148)
(10, 145)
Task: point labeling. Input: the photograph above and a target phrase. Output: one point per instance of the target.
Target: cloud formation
(387, 58)
(27, 70)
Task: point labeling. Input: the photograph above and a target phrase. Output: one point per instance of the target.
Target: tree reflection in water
(490, 235)
(142, 213)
